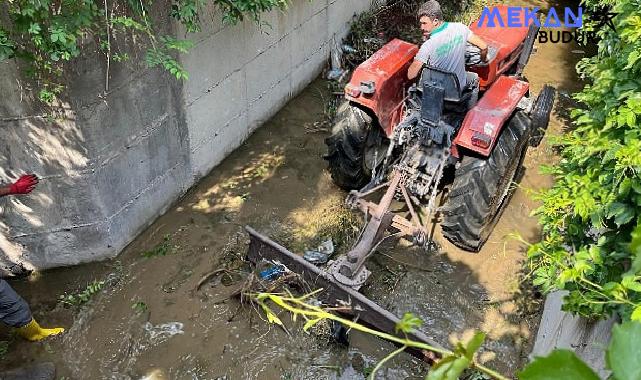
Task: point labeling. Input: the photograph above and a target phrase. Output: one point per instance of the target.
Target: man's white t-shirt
(445, 49)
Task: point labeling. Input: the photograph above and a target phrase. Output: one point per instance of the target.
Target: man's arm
(414, 69)
(421, 58)
(24, 185)
(478, 41)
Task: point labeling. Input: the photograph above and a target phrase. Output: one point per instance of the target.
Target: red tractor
(401, 137)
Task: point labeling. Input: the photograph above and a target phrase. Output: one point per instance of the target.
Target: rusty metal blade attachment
(334, 293)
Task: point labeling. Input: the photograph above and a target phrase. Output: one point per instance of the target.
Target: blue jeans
(14, 310)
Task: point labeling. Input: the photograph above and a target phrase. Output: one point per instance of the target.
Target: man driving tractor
(445, 46)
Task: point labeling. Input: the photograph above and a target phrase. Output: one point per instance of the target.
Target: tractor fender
(379, 83)
(483, 123)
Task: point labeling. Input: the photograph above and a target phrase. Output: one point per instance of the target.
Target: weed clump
(139, 307)
(83, 296)
(161, 249)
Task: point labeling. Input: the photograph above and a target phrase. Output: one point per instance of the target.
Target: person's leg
(14, 311)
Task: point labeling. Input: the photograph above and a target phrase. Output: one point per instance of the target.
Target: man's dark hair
(431, 9)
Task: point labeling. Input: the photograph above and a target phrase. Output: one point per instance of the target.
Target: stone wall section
(117, 160)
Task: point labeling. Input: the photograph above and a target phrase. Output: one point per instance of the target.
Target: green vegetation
(47, 34)
(139, 307)
(622, 355)
(4, 348)
(591, 243)
(83, 296)
(161, 249)
(452, 364)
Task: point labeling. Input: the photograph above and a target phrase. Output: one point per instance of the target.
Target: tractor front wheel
(350, 147)
(540, 114)
(482, 186)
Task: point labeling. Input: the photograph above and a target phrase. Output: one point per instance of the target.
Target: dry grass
(306, 228)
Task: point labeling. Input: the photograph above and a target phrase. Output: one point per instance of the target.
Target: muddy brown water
(276, 179)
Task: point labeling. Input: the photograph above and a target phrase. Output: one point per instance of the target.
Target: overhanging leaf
(624, 352)
(559, 365)
(631, 282)
(624, 217)
(474, 344)
(635, 250)
(408, 323)
(448, 368)
(621, 212)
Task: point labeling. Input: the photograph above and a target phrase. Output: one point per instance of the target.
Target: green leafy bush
(48, 33)
(590, 217)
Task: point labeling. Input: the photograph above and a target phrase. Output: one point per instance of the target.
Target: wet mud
(150, 322)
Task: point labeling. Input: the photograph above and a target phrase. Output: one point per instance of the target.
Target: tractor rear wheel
(354, 138)
(482, 187)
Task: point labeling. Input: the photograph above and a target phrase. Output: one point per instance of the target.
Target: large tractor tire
(349, 147)
(482, 187)
(540, 114)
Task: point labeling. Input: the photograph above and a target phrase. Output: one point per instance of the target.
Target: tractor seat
(448, 82)
(442, 93)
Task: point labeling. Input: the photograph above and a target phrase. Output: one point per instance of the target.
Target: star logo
(603, 16)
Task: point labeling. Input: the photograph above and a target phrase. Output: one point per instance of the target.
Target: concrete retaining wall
(559, 329)
(115, 162)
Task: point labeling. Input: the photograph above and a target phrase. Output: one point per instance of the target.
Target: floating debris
(321, 254)
(162, 332)
(349, 49)
(335, 74)
(336, 57)
(272, 272)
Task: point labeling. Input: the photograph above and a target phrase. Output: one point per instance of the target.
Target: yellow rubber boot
(33, 332)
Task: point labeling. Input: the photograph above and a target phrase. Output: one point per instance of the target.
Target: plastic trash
(373, 40)
(326, 247)
(321, 254)
(335, 74)
(349, 49)
(340, 333)
(316, 257)
(336, 57)
(162, 332)
(271, 273)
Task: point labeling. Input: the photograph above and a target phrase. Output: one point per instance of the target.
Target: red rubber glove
(24, 184)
